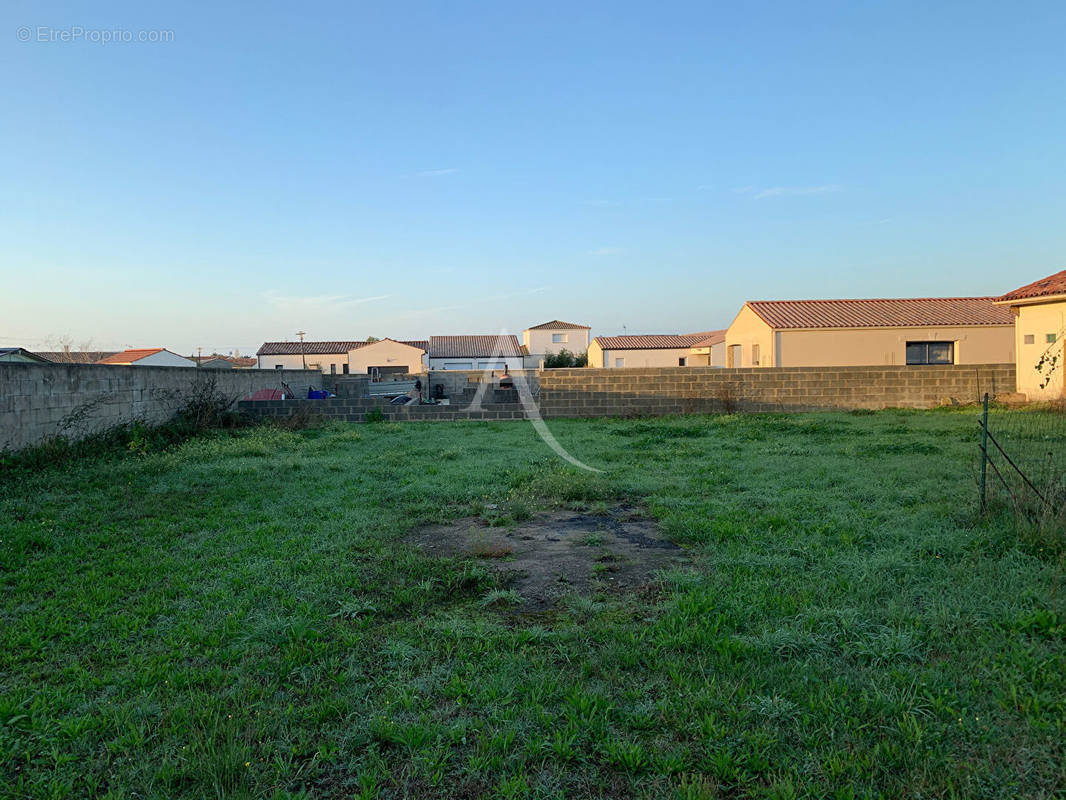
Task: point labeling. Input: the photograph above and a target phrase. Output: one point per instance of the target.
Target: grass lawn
(240, 616)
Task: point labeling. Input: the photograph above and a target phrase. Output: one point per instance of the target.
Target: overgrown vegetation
(199, 408)
(236, 615)
(564, 359)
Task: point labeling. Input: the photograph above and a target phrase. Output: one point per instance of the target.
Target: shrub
(565, 359)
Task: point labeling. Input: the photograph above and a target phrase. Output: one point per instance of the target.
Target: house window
(733, 355)
(1050, 338)
(930, 352)
(1029, 339)
(332, 369)
(681, 362)
(558, 338)
(619, 362)
(345, 368)
(755, 355)
(279, 366)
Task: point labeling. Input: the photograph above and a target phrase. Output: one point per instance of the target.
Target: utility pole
(303, 354)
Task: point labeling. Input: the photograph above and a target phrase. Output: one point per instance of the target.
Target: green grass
(238, 616)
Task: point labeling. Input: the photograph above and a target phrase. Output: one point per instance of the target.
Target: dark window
(930, 352)
(681, 362)
(345, 369)
(1050, 338)
(279, 366)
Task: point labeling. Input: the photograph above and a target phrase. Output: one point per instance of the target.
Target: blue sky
(407, 169)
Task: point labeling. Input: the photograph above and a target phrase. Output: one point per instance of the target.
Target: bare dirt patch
(562, 552)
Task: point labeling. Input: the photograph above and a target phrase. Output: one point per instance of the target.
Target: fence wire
(1026, 461)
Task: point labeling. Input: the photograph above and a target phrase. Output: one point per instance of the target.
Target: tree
(565, 359)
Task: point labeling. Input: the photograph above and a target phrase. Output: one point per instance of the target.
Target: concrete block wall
(352, 409)
(686, 390)
(458, 384)
(39, 401)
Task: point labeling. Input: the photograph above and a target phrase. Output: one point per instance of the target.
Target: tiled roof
(903, 313)
(75, 356)
(324, 348)
(557, 325)
(21, 351)
(129, 356)
(710, 339)
(236, 361)
(1045, 287)
(653, 342)
(474, 346)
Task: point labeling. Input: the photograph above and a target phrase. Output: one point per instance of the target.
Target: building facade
(839, 333)
(1039, 311)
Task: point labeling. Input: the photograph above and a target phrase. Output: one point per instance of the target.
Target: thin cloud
(798, 191)
(436, 173)
(319, 302)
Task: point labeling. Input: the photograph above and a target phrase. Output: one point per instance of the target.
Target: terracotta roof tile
(474, 346)
(1045, 287)
(324, 348)
(557, 325)
(75, 356)
(882, 313)
(710, 339)
(651, 342)
(129, 356)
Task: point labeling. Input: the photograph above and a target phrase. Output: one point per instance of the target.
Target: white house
(475, 352)
(148, 357)
(553, 337)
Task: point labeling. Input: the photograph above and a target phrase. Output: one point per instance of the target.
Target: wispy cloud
(436, 173)
(318, 302)
(606, 251)
(797, 191)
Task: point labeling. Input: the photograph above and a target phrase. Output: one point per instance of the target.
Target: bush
(565, 359)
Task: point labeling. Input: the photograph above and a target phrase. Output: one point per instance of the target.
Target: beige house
(708, 352)
(837, 333)
(554, 337)
(659, 350)
(1039, 311)
(388, 356)
(345, 357)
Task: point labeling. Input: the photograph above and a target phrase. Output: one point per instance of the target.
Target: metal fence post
(984, 451)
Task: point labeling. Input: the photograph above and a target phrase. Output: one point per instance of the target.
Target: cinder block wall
(38, 401)
(685, 390)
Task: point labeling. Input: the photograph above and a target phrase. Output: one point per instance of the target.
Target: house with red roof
(649, 350)
(148, 357)
(837, 333)
(372, 356)
(1039, 313)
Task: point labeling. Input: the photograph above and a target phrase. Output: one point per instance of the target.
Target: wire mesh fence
(1022, 456)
